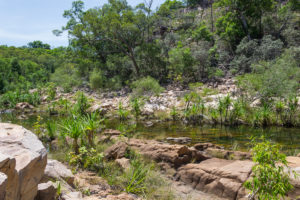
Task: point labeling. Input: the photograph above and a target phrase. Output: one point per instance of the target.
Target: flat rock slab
(218, 176)
(23, 159)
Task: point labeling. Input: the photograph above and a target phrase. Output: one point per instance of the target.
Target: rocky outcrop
(217, 176)
(175, 155)
(23, 159)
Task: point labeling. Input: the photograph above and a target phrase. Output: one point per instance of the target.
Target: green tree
(114, 28)
(241, 18)
(38, 44)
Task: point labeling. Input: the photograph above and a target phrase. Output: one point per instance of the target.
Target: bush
(273, 79)
(253, 51)
(96, 79)
(146, 87)
(269, 181)
(66, 77)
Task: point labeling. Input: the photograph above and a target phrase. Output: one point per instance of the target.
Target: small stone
(124, 163)
(46, 191)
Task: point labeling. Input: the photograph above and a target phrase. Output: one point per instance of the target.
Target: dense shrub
(96, 79)
(253, 51)
(146, 86)
(278, 78)
(66, 77)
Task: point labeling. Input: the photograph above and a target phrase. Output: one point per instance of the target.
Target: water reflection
(236, 138)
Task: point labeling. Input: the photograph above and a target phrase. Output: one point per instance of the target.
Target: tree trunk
(76, 146)
(245, 26)
(137, 69)
(211, 17)
(91, 138)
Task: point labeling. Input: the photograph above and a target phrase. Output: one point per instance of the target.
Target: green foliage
(168, 7)
(38, 44)
(10, 99)
(66, 77)
(74, 129)
(241, 18)
(270, 180)
(136, 106)
(136, 177)
(26, 68)
(87, 159)
(122, 112)
(82, 104)
(146, 86)
(96, 79)
(253, 51)
(51, 129)
(273, 79)
(174, 113)
(181, 62)
(91, 124)
(194, 107)
(202, 33)
(51, 91)
(37, 126)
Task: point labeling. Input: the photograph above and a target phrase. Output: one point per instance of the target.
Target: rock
(180, 140)
(227, 154)
(24, 158)
(3, 183)
(23, 105)
(175, 155)
(96, 185)
(116, 151)
(123, 162)
(148, 124)
(7, 167)
(55, 170)
(72, 196)
(111, 132)
(123, 196)
(148, 109)
(204, 146)
(217, 176)
(46, 191)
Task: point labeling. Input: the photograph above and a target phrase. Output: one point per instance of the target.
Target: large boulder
(3, 182)
(55, 170)
(7, 166)
(23, 159)
(218, 176)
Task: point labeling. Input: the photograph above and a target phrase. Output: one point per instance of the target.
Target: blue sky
(23, 21)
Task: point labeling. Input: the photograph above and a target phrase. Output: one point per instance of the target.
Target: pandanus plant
(91, 124)
(74, 129)
(136, 105)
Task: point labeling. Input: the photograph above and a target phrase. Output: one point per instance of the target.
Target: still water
(236, 138)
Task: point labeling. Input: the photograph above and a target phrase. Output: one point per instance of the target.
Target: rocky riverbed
(193, 172)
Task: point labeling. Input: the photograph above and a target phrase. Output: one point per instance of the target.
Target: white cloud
(19, 39)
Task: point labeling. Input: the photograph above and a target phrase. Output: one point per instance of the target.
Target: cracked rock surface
(23, 159)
